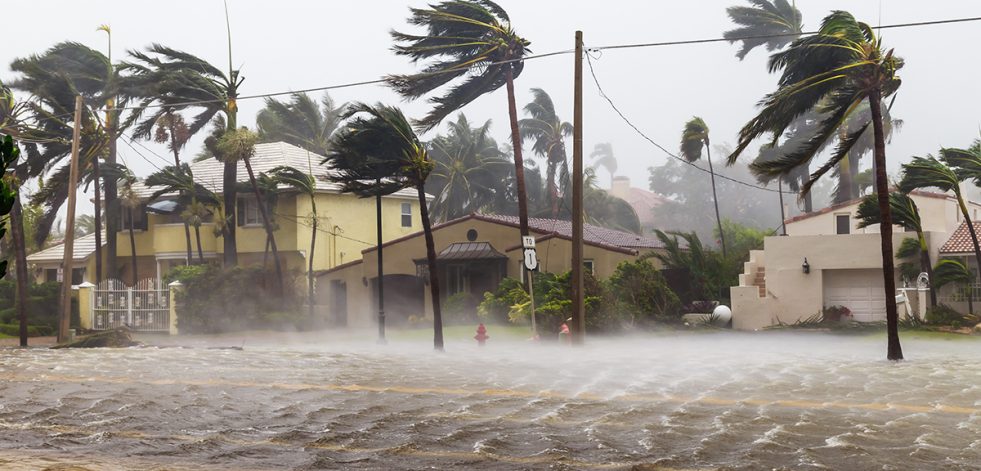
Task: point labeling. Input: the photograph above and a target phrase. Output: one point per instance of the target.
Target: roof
(469, 251)
(854, 201)
(83, 248)
(267, 156)
(960, 241)
(610, 239)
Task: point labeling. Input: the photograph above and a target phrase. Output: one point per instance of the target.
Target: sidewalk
(31, 341)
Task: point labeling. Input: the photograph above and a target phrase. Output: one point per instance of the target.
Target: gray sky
(290, 45)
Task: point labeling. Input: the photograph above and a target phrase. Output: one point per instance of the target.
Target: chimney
(620, 187)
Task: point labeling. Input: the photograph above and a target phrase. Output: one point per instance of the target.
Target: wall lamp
(806, 266)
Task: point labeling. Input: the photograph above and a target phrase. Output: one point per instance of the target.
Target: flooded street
(669, 401)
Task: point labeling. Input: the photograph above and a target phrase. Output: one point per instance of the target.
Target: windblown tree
(470, 43)
(771, 24)
(605, 210)
(131, 202)
(470, 170)
(948, 271)
(378, 153)
(301, 121)
(548, 133)
(694, 137)
(928, 172)
(172, 131)
(304, 184)
(603, 155)
(193, 197)
(172, 81)
(833, 72)
(906, 215)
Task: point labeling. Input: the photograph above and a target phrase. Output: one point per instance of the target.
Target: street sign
(531, 260)
(528, 242)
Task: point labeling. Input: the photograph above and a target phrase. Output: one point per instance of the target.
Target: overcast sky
(291, 45)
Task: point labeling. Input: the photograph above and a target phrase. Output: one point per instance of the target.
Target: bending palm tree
(471, 40)
(301, 122)
(548, 133)
(378, 153)
(953, 271)
(468, 172)
(835, 70)
(603, 153)
(305, 184)
(176, 80)
(906, 215)
(172, 131)
(130, 201)
(773, 24)
(931, 173)
(194, 197)
(693, 138)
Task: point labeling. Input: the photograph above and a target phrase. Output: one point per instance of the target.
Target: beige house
(844, 263)
(474, 254)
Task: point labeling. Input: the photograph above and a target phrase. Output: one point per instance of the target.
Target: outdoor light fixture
(806, 266)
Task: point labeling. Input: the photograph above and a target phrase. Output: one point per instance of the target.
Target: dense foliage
(43, 299)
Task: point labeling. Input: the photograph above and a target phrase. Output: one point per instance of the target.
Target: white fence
(960, 294)
(143, 307)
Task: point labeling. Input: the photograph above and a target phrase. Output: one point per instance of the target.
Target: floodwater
(668, 401)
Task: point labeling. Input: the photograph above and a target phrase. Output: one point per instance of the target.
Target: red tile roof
(960, 241)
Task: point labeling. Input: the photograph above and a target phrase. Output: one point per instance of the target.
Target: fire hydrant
(481, 336)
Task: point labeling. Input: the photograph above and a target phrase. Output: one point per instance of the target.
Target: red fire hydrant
(481, 336)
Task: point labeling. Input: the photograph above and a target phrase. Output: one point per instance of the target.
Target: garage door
(861, 291)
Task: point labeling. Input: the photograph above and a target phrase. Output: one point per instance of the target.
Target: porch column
(175, 287)
(86, 309)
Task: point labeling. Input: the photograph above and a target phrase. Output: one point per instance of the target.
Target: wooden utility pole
(64, 322)
(578, 304)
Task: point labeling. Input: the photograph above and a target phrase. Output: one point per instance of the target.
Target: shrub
(836, 313)
(216, 300)
(460, 308)
(943, 314)
(13, 330)
(639, 290)
(43, 301)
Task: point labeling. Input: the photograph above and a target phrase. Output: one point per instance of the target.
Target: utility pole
(381, 271)
(64, 322)
(578, 304)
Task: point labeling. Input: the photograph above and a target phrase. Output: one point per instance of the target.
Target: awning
(162, 207)
(468, 251)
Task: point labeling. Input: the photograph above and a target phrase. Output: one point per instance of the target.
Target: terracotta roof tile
(960, 241)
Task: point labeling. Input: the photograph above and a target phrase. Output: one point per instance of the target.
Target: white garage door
(861, 291)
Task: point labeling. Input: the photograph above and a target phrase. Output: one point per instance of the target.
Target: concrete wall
(791, 294)
(937, 215)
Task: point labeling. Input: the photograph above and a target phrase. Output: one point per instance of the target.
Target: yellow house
(474, 253)
(347, 224)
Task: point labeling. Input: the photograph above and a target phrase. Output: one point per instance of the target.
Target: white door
(861, 291)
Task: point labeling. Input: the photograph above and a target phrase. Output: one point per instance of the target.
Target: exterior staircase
(754, 272)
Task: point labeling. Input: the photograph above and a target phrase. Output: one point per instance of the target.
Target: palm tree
(835, 70)
(773, 24)
(378, 153)
(949, 271)
(172, 131)
(468, 172)
(239, 145)
(928, 172)
(131, 201)
(906, 215)
(548, 132)
(471, 40)
(192, 196)
(174, 81)
(603, 153)
(305, 184)
(301, 121)
(693, 138)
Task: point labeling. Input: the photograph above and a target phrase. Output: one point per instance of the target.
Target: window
(248, 211)
(78, 275)
(843, 223)
(456, 279)
(406, 214)
(589, 266)
(137, 220)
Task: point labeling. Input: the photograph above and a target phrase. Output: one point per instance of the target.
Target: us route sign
(531, 260)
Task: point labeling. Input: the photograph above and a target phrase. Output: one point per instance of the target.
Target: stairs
(754, 273)
(760, 280)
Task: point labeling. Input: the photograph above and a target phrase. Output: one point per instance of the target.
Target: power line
(603, 94)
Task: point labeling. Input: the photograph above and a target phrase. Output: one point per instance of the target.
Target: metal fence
(961, 293)
(143, 307)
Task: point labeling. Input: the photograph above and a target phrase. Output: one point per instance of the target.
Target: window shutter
(143, 218)
(239, 212)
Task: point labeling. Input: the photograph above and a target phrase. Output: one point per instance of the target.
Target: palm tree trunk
(98, 220)
(427, 229)
(715, 199)
(229, 180)
(553, 190)
(783, 217)
(853, 171)
(927, 267)
(268, 225)
(20, 261)
(845, 179)
(894, 349)
(132, 245)
(113, 212)
(197, 235)
(519, 163)
(187, 236)
(313, 246)
(808, 199)
(381, 264)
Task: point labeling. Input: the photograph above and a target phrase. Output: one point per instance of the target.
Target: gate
(142, 308)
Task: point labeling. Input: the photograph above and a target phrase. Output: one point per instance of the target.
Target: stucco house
(475, 253)
(347, 224)
(844, 263)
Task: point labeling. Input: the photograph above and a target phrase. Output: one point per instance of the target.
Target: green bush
(42, 300)
(13, 330)
(460, 309)
(216, 300)
(943, 314)
(639, 292)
